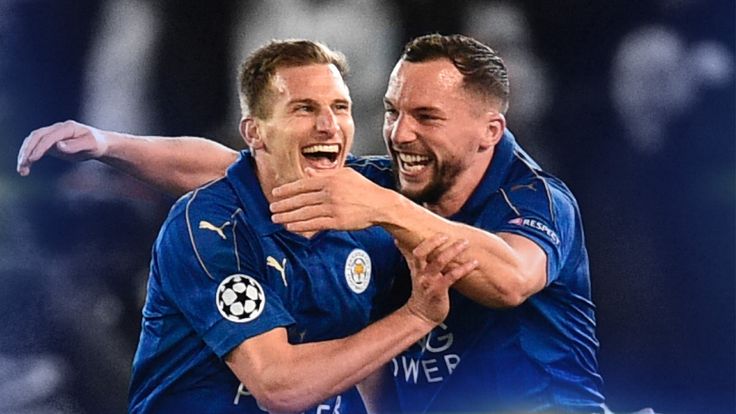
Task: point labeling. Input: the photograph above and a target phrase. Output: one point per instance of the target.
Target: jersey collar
(242, 176)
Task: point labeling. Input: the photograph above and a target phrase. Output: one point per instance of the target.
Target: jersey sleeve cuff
(225, 336)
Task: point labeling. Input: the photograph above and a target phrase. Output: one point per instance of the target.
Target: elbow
(280, 394)
(508, 297)
(515, 291)
(512, 299)
(276, 404)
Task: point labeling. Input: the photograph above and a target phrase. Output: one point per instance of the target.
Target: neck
(266, 180)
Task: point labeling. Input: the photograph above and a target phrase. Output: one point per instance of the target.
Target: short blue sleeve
(541, 210)
(207, 262)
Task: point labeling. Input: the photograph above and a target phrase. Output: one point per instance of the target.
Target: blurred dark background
(630, 102)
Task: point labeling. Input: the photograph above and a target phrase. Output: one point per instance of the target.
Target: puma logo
(206, 225)
(281, 267)
(520, 186)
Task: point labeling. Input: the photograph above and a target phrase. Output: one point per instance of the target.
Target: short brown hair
(483, 69)
(256, 72)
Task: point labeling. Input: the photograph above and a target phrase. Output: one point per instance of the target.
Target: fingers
(296, 202)
(428, 245)
(29, 145)
(38, 143)
(434, 256)
(297, 187)
(56, 133)
(445, 255)
(417, 258)
(300, 214)
(461, 271)
(72, 145)
(317, 224)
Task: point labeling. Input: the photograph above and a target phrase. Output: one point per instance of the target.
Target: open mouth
(322, 155)
(413, 163)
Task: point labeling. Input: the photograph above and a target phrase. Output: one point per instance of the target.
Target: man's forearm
(173, 165)
(294, 377)
(497, 282)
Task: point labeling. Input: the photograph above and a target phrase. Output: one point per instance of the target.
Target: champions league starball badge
(240, 298)
(358, 270)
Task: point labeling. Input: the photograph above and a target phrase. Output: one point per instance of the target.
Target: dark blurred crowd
(630, 102)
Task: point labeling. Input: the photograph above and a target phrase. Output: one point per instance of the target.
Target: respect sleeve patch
(537, 225)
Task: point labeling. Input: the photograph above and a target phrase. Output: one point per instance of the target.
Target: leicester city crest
(358, 270)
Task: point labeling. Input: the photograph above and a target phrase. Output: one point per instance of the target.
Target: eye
(391, 113)
(304, 108)
(427, 118)
(342, 107)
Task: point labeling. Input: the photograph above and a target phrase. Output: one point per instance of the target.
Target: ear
(250, 131)
(495, 125)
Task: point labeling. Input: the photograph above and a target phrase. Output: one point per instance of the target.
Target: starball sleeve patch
(240, 298)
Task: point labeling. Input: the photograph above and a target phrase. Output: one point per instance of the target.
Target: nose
(327, 123)
(401, 130)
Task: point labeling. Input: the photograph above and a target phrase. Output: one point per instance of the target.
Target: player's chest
(330, 286)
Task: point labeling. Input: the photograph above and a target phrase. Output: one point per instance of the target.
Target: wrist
(110, 145)
(417, 319)
(391, 210)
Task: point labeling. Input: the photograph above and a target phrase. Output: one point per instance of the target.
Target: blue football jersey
(538, 357)
(222, 273)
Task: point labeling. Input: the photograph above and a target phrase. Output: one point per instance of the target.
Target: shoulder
(538, 204)
(210, 203)
(201, 227)
(376, 168)
(529, 188)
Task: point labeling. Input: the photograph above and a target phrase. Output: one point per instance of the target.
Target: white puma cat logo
(206, 225)
(281, 267)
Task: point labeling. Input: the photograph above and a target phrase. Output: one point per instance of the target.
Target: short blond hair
(258, 69)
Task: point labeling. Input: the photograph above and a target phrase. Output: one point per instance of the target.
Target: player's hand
(68, 140)
(431, 276)
(340, 199)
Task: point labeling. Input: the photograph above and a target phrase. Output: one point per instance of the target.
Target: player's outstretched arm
(511, 268)
(174, 165)
(291, 378)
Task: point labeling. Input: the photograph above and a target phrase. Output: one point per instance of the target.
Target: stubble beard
(443, 178)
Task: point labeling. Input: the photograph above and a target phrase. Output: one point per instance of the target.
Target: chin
(430, 193)
(411, 190)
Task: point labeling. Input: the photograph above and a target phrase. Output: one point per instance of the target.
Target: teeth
(412, 168)
(321, 148)
(413, 158)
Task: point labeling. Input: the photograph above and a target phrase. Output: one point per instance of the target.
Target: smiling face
(308, 124)
(439, 134)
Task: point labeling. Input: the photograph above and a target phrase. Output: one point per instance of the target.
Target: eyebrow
(427, 109)
(387, 101)
(314, 102)
(302, 101)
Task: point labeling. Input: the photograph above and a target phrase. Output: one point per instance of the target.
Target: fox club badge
(358, 270)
